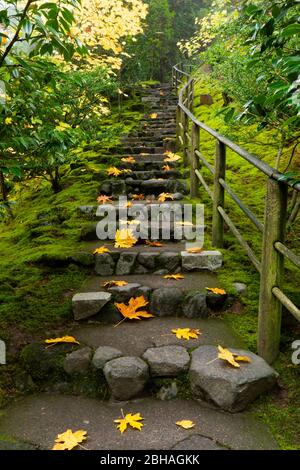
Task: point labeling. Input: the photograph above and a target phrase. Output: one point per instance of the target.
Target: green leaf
(291, 30)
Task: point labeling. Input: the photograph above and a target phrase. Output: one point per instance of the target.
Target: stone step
(141, 157)
(148, 165)
(149, 205)
(135, 150)
(150, 187)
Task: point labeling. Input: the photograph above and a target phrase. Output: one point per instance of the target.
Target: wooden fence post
(194, 182)
(219, 196)
(178, 128)
(185, 123)
(272, 269)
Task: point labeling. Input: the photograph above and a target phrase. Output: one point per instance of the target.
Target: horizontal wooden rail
(205, 162)
(288, 253)
(288, 304)
(205, 185)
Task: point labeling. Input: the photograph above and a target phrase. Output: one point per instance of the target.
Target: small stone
(104, 265)
(167, 361)
(149, 260)
(88, 304)
(166, 301)
(178, 196)
(168, 392)
(210, 260)
(144, 291)
(195, 306)
(103, 355)
(124, 293)
(126, 376)
(206, 99)
(240, 288)
(140, 270)
(126, 263)
(229, 388)
(78, 362)
(169, 261)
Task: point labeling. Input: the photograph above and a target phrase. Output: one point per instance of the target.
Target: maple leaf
(153, 244)
(153, 116)
(131, 420)
(124, 239)
(166, 168)
(129, 160)
(113, 171)
(164, 196)
(194, 250)
(63, 339)
(101, 250)
(186, 424)
(171, 157)
(216, 290)
(131, 312)
(231, 358)
(186, 333)
(69, 440)
(138, 197)
(104, 199)
(115, 284)
(162, 93)
(176, 277)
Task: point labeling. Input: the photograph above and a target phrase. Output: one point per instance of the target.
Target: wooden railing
(274, 252)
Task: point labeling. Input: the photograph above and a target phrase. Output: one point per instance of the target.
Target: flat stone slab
(210, 260)
(88, 304)
(134, 337)
(37, 419)
(167, 361)
(228, 387)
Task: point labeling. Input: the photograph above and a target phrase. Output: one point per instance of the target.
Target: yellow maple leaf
(186, 424)
(131, 311)
(232, 358)
(153, 116)
(138, 197)
(113, 171)
(125, 239)
(166, 168)
(175, 277)
(171, 157)
(129, 160)
(131, 420)
(216, 290)
(63, 339)
(153, 244)
(115, 284)
(186, 333)
(104, 199)
(101, 250)
(69, 440)
(165, 196)
(195, 250)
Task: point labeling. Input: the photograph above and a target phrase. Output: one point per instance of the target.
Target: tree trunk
(3, 189)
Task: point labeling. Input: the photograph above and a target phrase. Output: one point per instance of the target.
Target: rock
(126, 376)
(124, 293)
(240, 288)
(105, 188)
(178, 196)
(206, 99)
(195, 306)
(145, 291)
(210, 260)
(170, 261)
(167, 361)
(87, 304)
(140, 269)
(83, 259)
(105, 354)
(168, 392)
(149, 260)
(78, 362)
(126, 263)
(104, 265)
(161, 272)
(166, 301)
(227, 387)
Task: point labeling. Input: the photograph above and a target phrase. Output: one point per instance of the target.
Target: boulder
(103, 355)
(209, 260)
(124, 293)
(229, 388)
(126, 263)
(149, 260)
(78, 362)
(167, 361)
(166, 301)
(195, 306)
(88, 304)
(170, 261)
(240, 288)
(126, 376)
(104, 265)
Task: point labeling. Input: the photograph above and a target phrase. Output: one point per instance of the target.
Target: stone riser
(150, 187)
(131, 262)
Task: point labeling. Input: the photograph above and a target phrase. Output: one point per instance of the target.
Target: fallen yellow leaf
(115, 284)
(129, 160)
(176, 277)
(186, 424)
(216, 290)
(125, 239)
(166, 168)
(153, 244)
(138, 197)
(69, 440)
(131, 312)
(131, 420)
(101, 250)
(63, 339)
(232, 358)
(171, 157)
(194, 250)
(164, 196)
(153, 116)
(113, 171)
(104, 199)
(186, 333)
